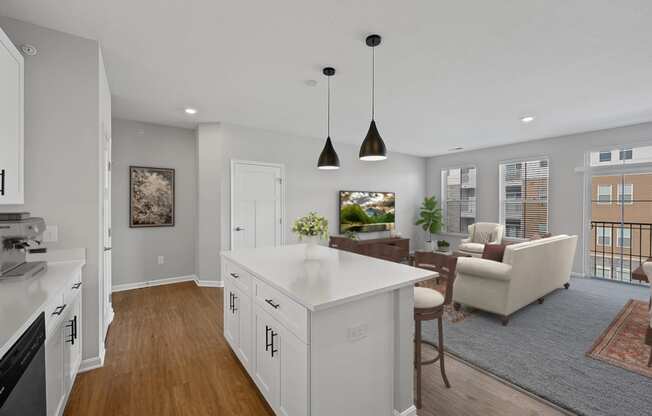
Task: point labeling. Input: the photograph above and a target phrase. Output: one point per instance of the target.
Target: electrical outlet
(161, 259)
(51, 234)
(356, 333)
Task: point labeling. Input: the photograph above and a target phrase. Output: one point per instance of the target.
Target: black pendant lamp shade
(328, 159)
(373, 147)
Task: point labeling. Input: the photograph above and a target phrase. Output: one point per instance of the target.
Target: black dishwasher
(22, 374)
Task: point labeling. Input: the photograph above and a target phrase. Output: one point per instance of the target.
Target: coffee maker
(19, 234)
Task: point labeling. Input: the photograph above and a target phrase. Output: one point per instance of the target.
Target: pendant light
(373, 148)
(328, 159)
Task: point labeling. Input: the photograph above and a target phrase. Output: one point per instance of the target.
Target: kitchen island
(326, 336)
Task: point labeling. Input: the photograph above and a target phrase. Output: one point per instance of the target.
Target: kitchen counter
(337, 277)
(22, 300)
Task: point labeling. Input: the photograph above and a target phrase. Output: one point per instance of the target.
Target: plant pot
(430, 246)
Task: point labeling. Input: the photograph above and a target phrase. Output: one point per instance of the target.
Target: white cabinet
(267, 365)
(11, 123)
(63, 345)
(237, 322)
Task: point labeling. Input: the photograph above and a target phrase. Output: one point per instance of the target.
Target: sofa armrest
(465, 240)
(484, 268)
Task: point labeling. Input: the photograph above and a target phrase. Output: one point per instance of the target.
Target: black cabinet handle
(272, 304)
(231, 301)
(235, 275)
(76, 285)
(2, 182)
(59, 310)
(267, 343)
(235, 298)
(71, 325)
(75, 327)
(274, 351)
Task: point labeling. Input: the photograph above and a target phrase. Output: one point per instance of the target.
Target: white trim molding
(209, 283)
(410, 411)
(92, 363)
(155, 282)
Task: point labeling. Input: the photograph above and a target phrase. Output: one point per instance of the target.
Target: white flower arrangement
(312, 225)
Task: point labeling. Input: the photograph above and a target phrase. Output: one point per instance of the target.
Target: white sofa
(481, 233)
(529, 271)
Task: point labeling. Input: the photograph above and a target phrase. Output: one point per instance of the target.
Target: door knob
(238, 228)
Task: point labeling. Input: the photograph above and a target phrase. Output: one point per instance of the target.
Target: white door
(106, 196)
(267, 363)
(11, 123)
(256, 204)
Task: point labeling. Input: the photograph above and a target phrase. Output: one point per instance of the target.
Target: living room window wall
(523, 197)
(620, 238)
(458, 188)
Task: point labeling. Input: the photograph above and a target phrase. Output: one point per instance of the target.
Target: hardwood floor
(166, 356)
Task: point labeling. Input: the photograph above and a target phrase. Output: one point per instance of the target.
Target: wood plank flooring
(166, 356)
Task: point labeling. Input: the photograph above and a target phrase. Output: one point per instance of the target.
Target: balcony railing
(617, 249)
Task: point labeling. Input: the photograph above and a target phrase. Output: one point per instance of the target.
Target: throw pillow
(482, 237)
(494, 252)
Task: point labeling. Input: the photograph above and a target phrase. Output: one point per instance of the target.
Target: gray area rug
(542, 350)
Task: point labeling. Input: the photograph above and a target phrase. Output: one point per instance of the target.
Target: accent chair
(481, 233)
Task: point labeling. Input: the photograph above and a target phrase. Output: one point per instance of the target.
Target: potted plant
(311, 228)
(430, 219)
(351, 235)
(443, 245)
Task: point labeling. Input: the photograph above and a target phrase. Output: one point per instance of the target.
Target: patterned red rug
(622, 343)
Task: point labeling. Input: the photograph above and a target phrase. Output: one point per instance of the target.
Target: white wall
(307, 188)
(566, 185)
(136, 250)
(62, 163)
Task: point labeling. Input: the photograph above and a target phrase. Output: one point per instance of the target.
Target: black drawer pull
(76, 285)
(235, 275)
(267, 343)
(235, 298)
(272, 304)
(274, 350)
(59, 310)
(2, 185)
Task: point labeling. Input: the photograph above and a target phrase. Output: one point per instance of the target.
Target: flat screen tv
(364, 212)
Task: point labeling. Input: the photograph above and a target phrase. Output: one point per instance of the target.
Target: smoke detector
(29, 50)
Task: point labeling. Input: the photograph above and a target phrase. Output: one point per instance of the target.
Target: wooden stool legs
(418, 363)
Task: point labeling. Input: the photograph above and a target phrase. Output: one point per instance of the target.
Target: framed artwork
(151, 197)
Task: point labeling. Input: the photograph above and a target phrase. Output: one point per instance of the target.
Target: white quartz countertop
(23, 299)
(336, 277)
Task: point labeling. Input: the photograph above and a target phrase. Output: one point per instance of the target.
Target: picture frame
(151, 197)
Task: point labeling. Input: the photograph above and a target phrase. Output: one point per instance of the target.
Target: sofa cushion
(494, 252)
(483, 268)
(427, 298)
(471, 247)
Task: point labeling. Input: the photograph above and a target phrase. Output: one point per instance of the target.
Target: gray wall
(62, 163)
(566, 153)
(307, 188)
(136, 250)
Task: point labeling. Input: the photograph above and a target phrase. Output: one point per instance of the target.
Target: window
(626, 193)
(458, 187)
(524, 197)
(626, 154)
(603, 235)
(605, 156)
(604, 194)
(624, 237)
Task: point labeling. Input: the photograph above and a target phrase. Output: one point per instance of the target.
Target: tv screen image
(365, 212)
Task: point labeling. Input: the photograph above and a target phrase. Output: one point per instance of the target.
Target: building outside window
(603, 235)
(604, 194)
(624, 237)
(458, 199)
(605, 156)
(626, 193)
(627, 154)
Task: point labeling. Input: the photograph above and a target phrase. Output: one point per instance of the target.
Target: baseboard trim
(209, 283)
(410, 411)
(92, 363)
(156, 282)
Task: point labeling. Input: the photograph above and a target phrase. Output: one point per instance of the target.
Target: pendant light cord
(329, 107)
(373, 82)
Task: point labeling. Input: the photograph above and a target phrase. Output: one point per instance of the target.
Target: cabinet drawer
(54, 313)
(242, 279)
(285, 310)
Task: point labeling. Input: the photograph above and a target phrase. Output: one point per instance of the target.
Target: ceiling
(448, 73)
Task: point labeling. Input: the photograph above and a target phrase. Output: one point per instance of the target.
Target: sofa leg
(566, 285)
(457, 306)
(540, 300)
(504, 319)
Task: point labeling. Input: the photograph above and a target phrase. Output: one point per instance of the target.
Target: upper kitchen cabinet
(11, 122)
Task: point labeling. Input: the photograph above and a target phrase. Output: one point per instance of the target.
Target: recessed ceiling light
(190, 111)
(527, 119)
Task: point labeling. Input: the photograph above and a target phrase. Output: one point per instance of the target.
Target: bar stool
(429, 305)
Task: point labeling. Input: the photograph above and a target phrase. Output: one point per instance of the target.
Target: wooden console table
(365, 246)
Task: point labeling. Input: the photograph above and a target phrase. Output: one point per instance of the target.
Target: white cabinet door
(267, 363)
(293, 355)
(72, 343)
(244, 317)
(231, 325)
(54, 370)
(11, 123)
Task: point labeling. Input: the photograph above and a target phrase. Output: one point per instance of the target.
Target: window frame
(443, 198)
(604, 152)
(620, 187)
(599, 235)
(610, 195)
(502, 197)
(621, 230)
